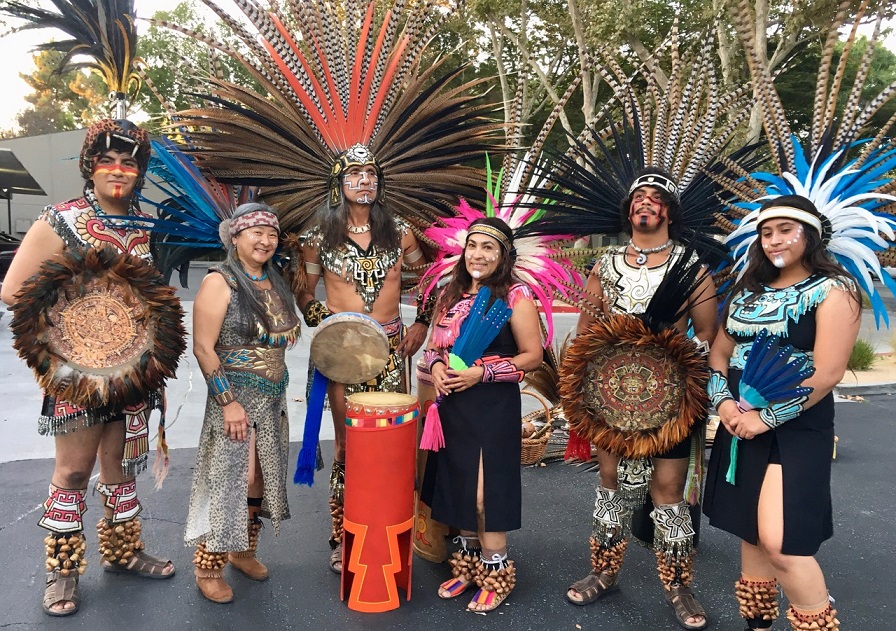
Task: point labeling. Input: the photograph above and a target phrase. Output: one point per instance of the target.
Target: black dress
(481, 421)
(802, 446)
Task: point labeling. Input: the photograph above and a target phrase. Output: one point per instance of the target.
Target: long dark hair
(761, 271)
(334, 219)
(251, 307)
(673, 220)
(499, 282)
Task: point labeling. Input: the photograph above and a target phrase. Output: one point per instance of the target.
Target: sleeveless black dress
(483, 421)
(802, 446)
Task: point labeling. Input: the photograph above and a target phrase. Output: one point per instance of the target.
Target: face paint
(476, 274)
(359, 180)
(778, 261)
(647, 210)
(116, 169)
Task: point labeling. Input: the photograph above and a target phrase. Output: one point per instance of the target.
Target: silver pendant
(641, 259)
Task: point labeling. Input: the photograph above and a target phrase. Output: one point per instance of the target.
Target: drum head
(630, 391)
(350, 348)
(99, 328)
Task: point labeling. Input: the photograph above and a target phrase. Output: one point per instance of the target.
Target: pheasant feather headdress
(677, 123)
(539, 259)
(335, 77)
(841, 167)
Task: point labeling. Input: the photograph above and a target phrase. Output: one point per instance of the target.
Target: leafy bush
(862, 356)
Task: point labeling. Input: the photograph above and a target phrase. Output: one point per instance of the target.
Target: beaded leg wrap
(119, 542)
(806, 621)
(121, 499)
(337, 498)
(757, 601)
(209, 562)
(611, 533)
(496, 578)
(65, 553)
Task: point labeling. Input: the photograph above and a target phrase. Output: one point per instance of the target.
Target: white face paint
(476, 274)
(779, 262)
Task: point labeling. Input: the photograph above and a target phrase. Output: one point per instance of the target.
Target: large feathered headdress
(334, 75)
(675, 125)
(841, 168)
(191, 215)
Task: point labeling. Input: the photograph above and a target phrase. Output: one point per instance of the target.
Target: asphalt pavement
(550, 550)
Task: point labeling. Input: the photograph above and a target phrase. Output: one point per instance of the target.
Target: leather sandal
(685, 605)
(141, 564)
(336, 559)
(61, 589)
(593, 587)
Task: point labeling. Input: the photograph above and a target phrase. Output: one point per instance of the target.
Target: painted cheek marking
(116, 169)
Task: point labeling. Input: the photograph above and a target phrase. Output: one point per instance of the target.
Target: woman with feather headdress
(807, 235)
(779, 502)
(98, 231)
(473, 482)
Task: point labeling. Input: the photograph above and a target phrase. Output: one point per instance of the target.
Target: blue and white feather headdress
(838, 167)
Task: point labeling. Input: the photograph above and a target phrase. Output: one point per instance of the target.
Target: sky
(15, 53)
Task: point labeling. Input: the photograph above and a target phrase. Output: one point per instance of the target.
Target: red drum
(380, 448)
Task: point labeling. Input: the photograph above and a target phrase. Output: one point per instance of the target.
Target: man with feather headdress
(352, 128)
(76, 242)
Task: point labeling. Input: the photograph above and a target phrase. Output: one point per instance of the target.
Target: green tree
(58, 102)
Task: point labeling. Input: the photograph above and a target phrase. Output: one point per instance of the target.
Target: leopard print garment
(218, 513)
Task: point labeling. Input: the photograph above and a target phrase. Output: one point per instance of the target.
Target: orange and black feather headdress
(335, 75)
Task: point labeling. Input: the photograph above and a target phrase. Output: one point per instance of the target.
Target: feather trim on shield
(99, 328)
(630, 391)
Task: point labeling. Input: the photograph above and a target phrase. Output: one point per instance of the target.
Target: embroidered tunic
(254, 362)
(802, 446)
(80, 224)
(484, 419)
(628, 288)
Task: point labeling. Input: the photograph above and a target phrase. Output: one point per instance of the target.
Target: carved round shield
(630, 391)
(99, 328)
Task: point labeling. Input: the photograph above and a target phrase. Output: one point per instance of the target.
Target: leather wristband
(219, 387)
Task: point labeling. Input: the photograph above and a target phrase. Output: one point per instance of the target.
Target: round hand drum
(350, 348)
(380, 450)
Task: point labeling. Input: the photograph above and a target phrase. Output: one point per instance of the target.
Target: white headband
(789, 212)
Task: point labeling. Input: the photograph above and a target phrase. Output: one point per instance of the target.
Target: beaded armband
(315, 312)
(777, 414)
(717, 388)
(431, 357)
(219, 387)
(425, 308)
(499, 370)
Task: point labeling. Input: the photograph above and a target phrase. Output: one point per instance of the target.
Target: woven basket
(533, 448)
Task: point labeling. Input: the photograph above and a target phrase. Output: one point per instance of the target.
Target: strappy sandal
(464, 567)
(61, 589)
(496, 579)
(141, 564)
(593, 587)
(685, 605)
(336, 559)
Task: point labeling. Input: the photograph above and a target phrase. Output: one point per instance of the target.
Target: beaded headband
(790, 212)
(657, 181)
(491, 231)
(252, 219)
